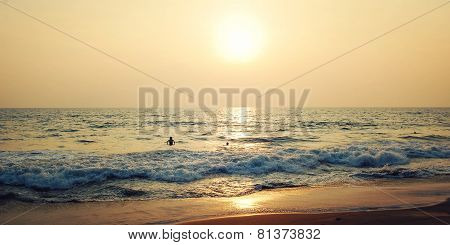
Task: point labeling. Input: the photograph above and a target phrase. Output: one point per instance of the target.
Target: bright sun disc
(239, 38)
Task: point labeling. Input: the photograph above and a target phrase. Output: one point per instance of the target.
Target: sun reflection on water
(248, 202)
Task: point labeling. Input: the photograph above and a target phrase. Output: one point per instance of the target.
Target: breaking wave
(60, 170)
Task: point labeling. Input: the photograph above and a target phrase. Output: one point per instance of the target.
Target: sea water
(62, 155)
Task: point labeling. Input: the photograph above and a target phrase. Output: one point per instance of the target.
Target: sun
(239, 38)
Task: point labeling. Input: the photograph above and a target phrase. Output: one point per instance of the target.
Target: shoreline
(437, 214)
(279, 206)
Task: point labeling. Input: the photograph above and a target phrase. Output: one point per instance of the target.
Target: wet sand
(438, 214)
(388, 202)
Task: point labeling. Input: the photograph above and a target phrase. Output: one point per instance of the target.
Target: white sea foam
(64, 170)
(98, 154)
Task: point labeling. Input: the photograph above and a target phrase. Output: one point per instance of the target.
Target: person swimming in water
(171, 141)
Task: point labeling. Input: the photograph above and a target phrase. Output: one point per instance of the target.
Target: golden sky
(223, 44)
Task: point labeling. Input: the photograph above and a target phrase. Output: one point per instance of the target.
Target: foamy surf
(59, 171)
(60, 155)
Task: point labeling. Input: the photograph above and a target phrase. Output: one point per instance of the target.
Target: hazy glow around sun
(239, 38)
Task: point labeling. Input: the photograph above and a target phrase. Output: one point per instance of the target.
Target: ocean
(78, 155)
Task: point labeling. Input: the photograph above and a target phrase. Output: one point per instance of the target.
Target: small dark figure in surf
(227, 143)
(171, 141)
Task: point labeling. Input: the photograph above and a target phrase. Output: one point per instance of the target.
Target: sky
(224, 44)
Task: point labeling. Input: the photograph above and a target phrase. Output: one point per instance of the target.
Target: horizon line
(216, 107)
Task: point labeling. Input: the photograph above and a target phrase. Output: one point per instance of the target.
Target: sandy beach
(438, 214)
(382, 203)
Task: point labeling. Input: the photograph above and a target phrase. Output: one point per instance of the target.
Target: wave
(266, 139)
(59, 170)
(365, 158)
(399, 173)
(174, 123)
(86, 141)
(338, 124)
(427, 137)
(276, 139)
(69, 130)
(270, 186)
(6, 196)
(123, 191)
(6, 139)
